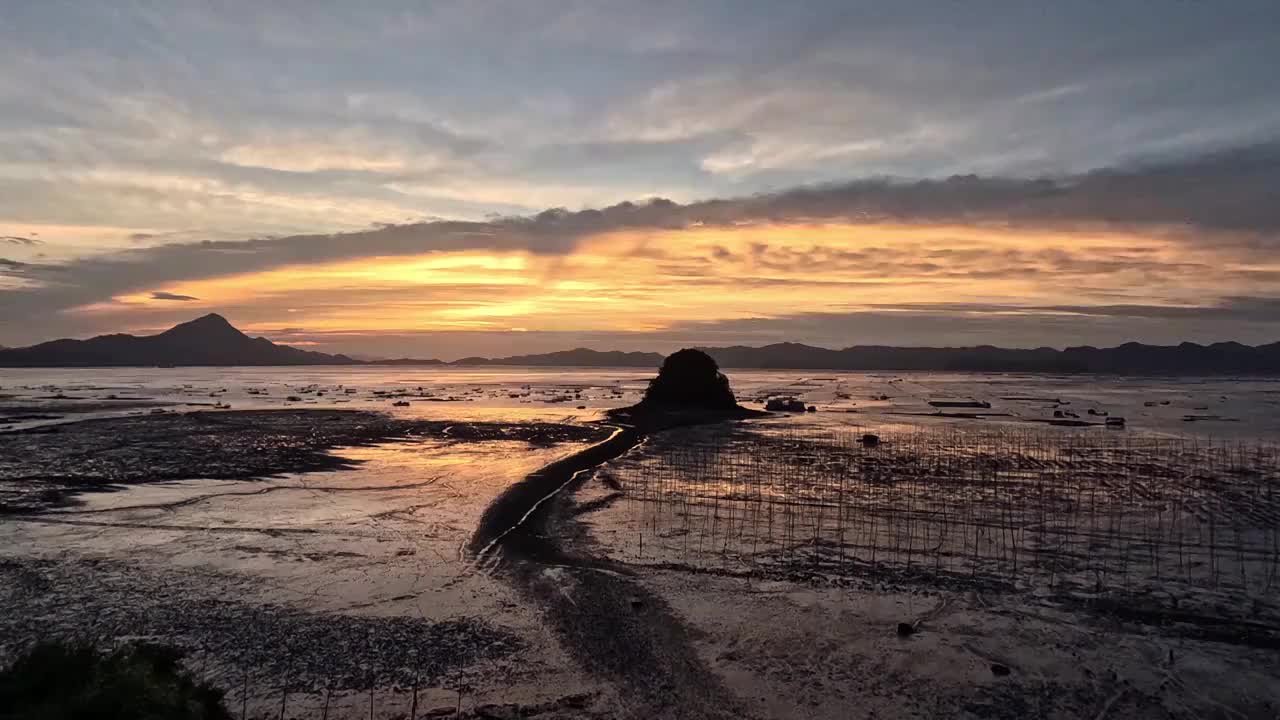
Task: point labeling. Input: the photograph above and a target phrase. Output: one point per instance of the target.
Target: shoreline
(49, 466)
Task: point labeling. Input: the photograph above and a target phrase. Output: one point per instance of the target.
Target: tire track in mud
(613, 626)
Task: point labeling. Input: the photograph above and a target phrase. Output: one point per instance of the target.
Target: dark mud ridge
(56, 408)
(45, 466)
(614, 627)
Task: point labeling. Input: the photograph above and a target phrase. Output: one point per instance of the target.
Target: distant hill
(209, 340)
(405, 361)
(579, 357)
(1128, 359)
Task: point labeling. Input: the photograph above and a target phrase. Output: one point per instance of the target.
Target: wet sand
(310, 588)
(492, 567)
(684, 641)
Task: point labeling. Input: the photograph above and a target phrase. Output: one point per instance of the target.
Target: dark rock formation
(689, 389)
(784, 404)
(690, 378)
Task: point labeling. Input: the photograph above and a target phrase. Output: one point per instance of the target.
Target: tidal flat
(311, 538)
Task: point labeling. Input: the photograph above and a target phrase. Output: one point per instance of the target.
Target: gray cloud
(1234, 190)
(17, 240)
(1232, 309)
(461, 109)
(160, 295)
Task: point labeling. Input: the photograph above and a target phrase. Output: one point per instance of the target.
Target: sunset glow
(704, 177)
(632, 281)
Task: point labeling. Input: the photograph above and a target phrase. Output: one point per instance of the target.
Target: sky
(449, 179)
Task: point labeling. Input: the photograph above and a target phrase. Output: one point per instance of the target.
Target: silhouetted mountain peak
(211, 325)
(207, 340)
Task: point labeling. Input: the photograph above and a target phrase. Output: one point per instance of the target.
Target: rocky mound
(689, 389)
(690, 378)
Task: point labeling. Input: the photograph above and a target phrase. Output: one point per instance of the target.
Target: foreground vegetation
(61, 681)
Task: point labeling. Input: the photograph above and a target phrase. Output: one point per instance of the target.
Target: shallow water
(1217, 407)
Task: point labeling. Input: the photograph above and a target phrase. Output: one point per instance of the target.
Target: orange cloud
(649, 280)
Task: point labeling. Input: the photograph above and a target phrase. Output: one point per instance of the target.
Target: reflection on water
(1185, 406)
(274, 584)
(394, 524)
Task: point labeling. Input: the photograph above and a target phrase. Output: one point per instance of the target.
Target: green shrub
(67, 681)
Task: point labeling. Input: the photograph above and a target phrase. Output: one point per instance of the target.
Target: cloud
(335, 109)
(1261, 309)
(1233, 190)
(16, 240)
(1228, 199)
(160, 295)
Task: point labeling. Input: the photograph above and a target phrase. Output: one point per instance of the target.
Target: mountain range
(208, 340)
(211, 340)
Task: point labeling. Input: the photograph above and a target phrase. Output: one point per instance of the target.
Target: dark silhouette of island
(690, 377)
(211, 340)
(580, 357)
(689, 390)
(406, 361)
